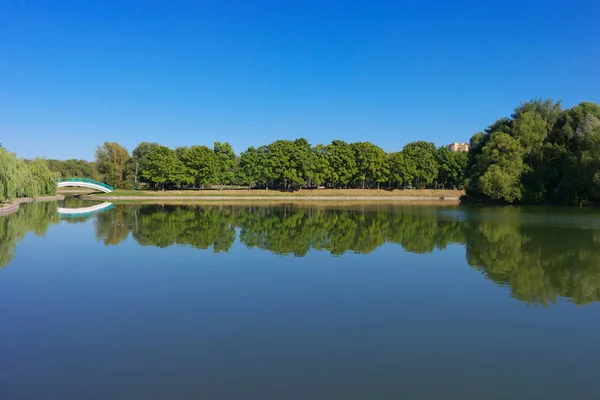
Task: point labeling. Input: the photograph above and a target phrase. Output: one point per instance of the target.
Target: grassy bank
(299, 193)
(74, 190)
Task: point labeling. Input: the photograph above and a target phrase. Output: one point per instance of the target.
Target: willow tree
(15, 178)
(45, 179)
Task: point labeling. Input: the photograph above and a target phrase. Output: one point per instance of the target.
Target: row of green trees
(542, 153)
(74, 168)
(21, 178)
(282, 164)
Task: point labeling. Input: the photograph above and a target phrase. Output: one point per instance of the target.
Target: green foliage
(287, 164)
(45, 179)
(140, 160)
(451, 168)
(226, 163)
(162, 167)
(251, 167)
(321, 171)
(342, 163)
(19, 178)
(402, 170)
(423, 160)
(72, 168)
(541, 154)
(111, 159)
(202, 165)
(504, 157)
(371, 163)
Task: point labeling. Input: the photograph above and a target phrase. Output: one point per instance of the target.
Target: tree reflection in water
(540, 257)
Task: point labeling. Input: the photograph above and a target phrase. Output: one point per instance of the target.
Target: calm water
(300, 302)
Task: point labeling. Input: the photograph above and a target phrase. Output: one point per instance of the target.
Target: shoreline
(13, 207)
(275, 198)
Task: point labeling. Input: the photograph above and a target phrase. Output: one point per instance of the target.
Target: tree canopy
(111, 159)
(21, 178)
(540, 154)
(292, 164)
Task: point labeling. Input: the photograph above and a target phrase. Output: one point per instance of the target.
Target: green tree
(320, 171)
(19, 178)
(342, 163)
(72, 168)
(502, 179)
(423, 156)
(111, 159)
(286, 162)
(140, 158)
(523, 158)
(226, 161)
(251, 167)
(180, 152)
(45, 179)
(164, 168)
(371, 163)
(202, 164)
(402, 170)
(564, 175)
(452, 166)
(15, 179)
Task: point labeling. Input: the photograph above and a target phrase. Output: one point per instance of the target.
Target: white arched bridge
(84, 182)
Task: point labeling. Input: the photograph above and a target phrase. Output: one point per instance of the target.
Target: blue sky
(76, 74)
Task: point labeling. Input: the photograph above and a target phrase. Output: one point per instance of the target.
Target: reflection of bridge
(84, 211)
(84, 182)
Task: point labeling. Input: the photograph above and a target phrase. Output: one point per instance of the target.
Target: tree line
(283, 164)
(542, 153)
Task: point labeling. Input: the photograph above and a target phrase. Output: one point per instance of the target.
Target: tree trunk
(137, 161)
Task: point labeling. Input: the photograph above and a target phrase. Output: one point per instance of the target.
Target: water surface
(300, 301)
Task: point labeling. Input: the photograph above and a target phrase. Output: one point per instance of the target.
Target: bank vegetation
(540, 154)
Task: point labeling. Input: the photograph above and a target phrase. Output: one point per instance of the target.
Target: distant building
(458, 147)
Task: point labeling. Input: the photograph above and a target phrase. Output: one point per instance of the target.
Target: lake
(300, 301)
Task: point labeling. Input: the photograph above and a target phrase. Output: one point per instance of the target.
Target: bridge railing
(86, 180)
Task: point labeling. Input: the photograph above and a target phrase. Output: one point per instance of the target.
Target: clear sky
(75, 74)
